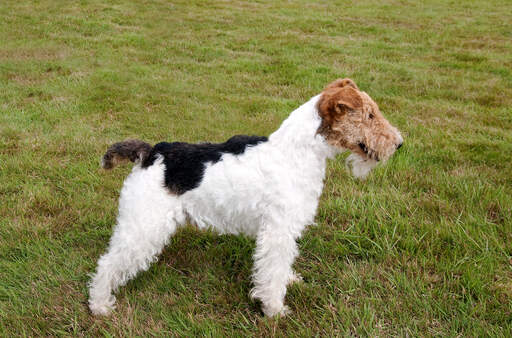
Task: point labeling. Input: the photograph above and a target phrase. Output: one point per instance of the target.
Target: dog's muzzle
(371, 154)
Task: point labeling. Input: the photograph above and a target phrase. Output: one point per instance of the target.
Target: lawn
(422, 247)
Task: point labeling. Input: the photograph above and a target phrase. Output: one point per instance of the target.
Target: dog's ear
(337, 101)
(340, 83)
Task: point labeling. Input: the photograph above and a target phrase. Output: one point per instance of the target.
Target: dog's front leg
(273, 259)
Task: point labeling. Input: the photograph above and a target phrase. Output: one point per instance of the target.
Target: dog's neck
(298, 135)
(303, 153)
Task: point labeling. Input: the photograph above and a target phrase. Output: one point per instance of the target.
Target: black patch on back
(185, 163)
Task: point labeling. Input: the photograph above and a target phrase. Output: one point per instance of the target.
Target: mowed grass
(422, 247)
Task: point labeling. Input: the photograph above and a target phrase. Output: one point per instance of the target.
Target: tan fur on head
(352, 120)
(342, 83)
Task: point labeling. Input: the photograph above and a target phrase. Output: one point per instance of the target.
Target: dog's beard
(359, 165)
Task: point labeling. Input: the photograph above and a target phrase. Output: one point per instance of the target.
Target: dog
(267, 188)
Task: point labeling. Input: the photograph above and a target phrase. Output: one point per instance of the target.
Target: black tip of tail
(133, 150)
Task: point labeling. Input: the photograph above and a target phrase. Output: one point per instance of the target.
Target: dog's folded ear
(337, 101)
(340, 83)
(348, 99)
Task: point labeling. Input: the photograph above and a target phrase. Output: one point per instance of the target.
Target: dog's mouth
(368, 152)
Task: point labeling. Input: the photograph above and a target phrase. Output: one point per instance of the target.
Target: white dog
(265, 188)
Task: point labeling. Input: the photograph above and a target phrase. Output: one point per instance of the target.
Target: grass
(421, 248)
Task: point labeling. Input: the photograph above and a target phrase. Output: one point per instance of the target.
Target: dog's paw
(103, 308)
(274, 311)
(285, 311)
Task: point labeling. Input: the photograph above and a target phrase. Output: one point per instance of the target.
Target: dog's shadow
(197, 261)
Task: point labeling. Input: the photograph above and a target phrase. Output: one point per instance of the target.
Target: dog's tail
(134, 150)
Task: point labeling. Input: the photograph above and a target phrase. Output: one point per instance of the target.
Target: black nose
(363, 147)
(399, 145)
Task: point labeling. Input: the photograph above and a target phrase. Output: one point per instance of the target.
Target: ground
(422, 247)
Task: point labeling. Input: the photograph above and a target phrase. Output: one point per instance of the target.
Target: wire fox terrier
(265, 188)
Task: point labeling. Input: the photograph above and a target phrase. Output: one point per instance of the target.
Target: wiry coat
(268, 190)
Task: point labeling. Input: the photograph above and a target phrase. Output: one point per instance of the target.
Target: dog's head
(352, 120)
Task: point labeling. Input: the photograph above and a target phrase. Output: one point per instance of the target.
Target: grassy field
(422, 247)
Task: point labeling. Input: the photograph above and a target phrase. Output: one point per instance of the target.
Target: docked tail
(133, 150)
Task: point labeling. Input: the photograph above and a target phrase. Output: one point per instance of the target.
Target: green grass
(422, 247)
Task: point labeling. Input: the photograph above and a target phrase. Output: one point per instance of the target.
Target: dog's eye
(371, 116)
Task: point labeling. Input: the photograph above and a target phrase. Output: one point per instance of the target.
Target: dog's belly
(245, 211)
(224, 227)
(228, 217)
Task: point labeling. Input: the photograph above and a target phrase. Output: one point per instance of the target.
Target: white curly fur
(359, 165)
(270, 192)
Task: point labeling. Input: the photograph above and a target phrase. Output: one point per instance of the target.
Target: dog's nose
(363, 147)
(398, 146)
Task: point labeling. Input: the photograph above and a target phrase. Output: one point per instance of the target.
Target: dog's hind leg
(148, 216)
(275, 252)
